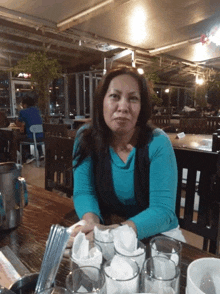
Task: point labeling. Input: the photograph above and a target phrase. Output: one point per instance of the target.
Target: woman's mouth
(121, 118)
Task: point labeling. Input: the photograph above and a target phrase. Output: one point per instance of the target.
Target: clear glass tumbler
(139, 258)
(55, 290)
(160, 275)
(106, 247)
(86, 279)
(122, 285)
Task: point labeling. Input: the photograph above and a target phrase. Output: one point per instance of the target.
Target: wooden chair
(58, 130)
(161, 120)
(215, 142)
(58, 164)
(34, 129)
(202, 185)
(193, 125)
(213, 123)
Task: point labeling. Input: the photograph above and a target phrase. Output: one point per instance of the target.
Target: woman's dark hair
(97, 137)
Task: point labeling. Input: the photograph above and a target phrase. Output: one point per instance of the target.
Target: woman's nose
(123, 105)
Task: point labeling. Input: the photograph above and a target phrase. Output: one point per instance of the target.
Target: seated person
(28, 116)
(125, 171)
(4, 122)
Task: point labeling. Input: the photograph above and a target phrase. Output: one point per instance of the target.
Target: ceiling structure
(161, 36)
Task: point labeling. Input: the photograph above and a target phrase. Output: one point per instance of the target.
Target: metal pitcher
(13, 195)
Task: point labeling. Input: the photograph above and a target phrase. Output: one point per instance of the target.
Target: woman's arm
(160, 216)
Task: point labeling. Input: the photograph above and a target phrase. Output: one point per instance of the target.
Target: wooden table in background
(12, 134)
(192, 141)
(45, 208)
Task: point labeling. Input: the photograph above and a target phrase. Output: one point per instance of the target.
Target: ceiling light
(141, 71)
(199, 81)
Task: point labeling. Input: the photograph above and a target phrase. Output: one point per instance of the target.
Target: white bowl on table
(202, 274)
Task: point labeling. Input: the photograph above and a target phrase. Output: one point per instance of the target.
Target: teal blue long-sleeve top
(160, 215)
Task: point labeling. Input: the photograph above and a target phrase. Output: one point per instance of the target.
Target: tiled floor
(35, 176)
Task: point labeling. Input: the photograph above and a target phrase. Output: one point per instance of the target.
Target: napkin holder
(180, 135)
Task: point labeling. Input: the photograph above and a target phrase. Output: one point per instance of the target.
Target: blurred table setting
(126, 270)
(191, 141)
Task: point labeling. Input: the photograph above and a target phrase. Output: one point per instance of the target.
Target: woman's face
(122, 104)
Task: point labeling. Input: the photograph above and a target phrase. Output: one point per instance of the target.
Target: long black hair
(97, 137)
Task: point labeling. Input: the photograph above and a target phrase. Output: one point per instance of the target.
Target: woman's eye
(114, 96)
(134, 99)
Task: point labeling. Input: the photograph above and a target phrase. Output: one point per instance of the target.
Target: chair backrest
(36, 129)
(58, 164)
(198, 184)
(191, 125)
(161, 120)
(58, 130)
(213, 123)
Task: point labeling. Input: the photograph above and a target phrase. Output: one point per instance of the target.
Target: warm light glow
(201, 52)
(167, 90)
(24, 75)
(141, 71)
(199, 81)
(215, 36)
(138, 25)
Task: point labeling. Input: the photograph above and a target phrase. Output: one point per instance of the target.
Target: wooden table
(192, 141)
(45, 208)
(12, 134)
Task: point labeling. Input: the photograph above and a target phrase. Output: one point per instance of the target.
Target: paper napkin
(83, 254)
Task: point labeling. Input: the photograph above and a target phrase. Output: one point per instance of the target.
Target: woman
(121, 164)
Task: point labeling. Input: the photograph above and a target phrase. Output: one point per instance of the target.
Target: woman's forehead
(124, 82)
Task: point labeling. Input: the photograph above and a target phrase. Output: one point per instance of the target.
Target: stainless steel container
(13, 195)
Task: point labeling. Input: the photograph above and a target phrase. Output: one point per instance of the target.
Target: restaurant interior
(175, 44)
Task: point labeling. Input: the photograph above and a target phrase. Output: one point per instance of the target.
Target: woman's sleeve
(84, 195)
(160, 216)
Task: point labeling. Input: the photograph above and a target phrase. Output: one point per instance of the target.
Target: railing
(161, 120)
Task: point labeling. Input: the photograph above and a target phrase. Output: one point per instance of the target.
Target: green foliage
(156, 100)
(43, 70)
(211, 89)
(152, 79)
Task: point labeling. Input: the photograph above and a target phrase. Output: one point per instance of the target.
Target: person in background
(4, 123)
(122, 166)
(28, 116)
